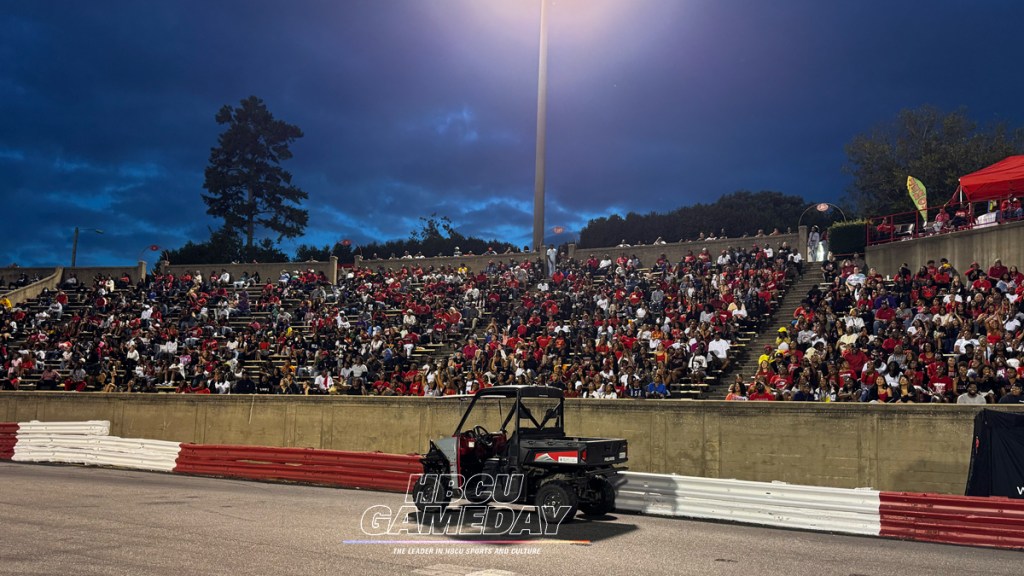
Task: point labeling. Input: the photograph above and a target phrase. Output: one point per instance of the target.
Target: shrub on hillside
(847, 237)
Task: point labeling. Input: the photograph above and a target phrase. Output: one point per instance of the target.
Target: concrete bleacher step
(782, 314)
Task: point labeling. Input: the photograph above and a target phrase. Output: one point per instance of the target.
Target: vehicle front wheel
(431, 494)
(602, 500)
(556, 502)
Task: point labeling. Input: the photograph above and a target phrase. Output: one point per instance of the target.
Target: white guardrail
(88, 443)
(86, 428)
(840, 510)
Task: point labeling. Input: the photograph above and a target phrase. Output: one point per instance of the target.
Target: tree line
(254, 195)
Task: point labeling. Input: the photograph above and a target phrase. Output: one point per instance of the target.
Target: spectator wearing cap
(883, 316)
(982, 284)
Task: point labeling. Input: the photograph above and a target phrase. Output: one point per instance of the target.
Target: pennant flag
(919, 195)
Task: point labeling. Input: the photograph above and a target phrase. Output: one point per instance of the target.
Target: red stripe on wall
(973, 521)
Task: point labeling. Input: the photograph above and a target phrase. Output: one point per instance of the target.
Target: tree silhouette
(246, 183)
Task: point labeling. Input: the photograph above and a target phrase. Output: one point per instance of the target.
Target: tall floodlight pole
(542, 101)
(74, 243)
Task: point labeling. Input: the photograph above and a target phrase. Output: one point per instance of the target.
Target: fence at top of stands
(373, 470)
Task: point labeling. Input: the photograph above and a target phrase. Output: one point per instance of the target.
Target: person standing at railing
(813, 243)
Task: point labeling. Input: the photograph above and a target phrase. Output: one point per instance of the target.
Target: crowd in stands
(603, 327)
(935, 334)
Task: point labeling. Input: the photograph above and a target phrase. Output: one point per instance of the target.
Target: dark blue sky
(412, 107)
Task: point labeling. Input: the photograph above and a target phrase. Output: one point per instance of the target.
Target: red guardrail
(8, 438)
(370, 470)
(974, 521)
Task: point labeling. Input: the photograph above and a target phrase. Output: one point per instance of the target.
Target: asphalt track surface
(72, 520)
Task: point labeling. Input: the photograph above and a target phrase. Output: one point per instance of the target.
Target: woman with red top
(879, 392)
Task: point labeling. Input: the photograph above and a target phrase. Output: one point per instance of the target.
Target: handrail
(941, 220)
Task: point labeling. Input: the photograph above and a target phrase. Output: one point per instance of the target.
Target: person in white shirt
(222, 385)
(323, 382)
(720, 349)
(856, 278)
(965, 339)
(971, 396)
(853, 322)
(359, 369)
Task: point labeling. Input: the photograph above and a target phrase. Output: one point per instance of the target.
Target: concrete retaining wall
(87, 274)
(648, 254)
(898, 448)
(49, 281)
(267, 271)
(981, 245)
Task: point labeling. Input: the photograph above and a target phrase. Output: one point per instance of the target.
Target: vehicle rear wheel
(603, 501)
(431, 494)
(552, 500)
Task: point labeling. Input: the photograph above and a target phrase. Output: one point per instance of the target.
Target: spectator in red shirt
(761, 392)
(982, 284)
(857, 358)
(883, 316)
(996, 270)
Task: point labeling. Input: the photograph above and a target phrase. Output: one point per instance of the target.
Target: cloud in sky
(413, 107)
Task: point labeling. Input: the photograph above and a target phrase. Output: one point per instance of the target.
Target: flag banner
(919, 195)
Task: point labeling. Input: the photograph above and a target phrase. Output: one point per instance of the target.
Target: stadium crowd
(934, 334)
(602, 327)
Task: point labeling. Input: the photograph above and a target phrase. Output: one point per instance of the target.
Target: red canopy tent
(999, 180)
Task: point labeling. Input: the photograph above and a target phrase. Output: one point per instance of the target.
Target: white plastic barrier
(88, 428)
(98, 451)
(842, 510)
(88, 443)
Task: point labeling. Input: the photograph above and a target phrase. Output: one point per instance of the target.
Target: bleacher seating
(407, 332)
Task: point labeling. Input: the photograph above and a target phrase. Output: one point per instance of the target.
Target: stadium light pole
(542, 101)
(74, 244)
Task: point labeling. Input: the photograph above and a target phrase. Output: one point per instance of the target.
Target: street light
(542, 100)
(74, 245)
